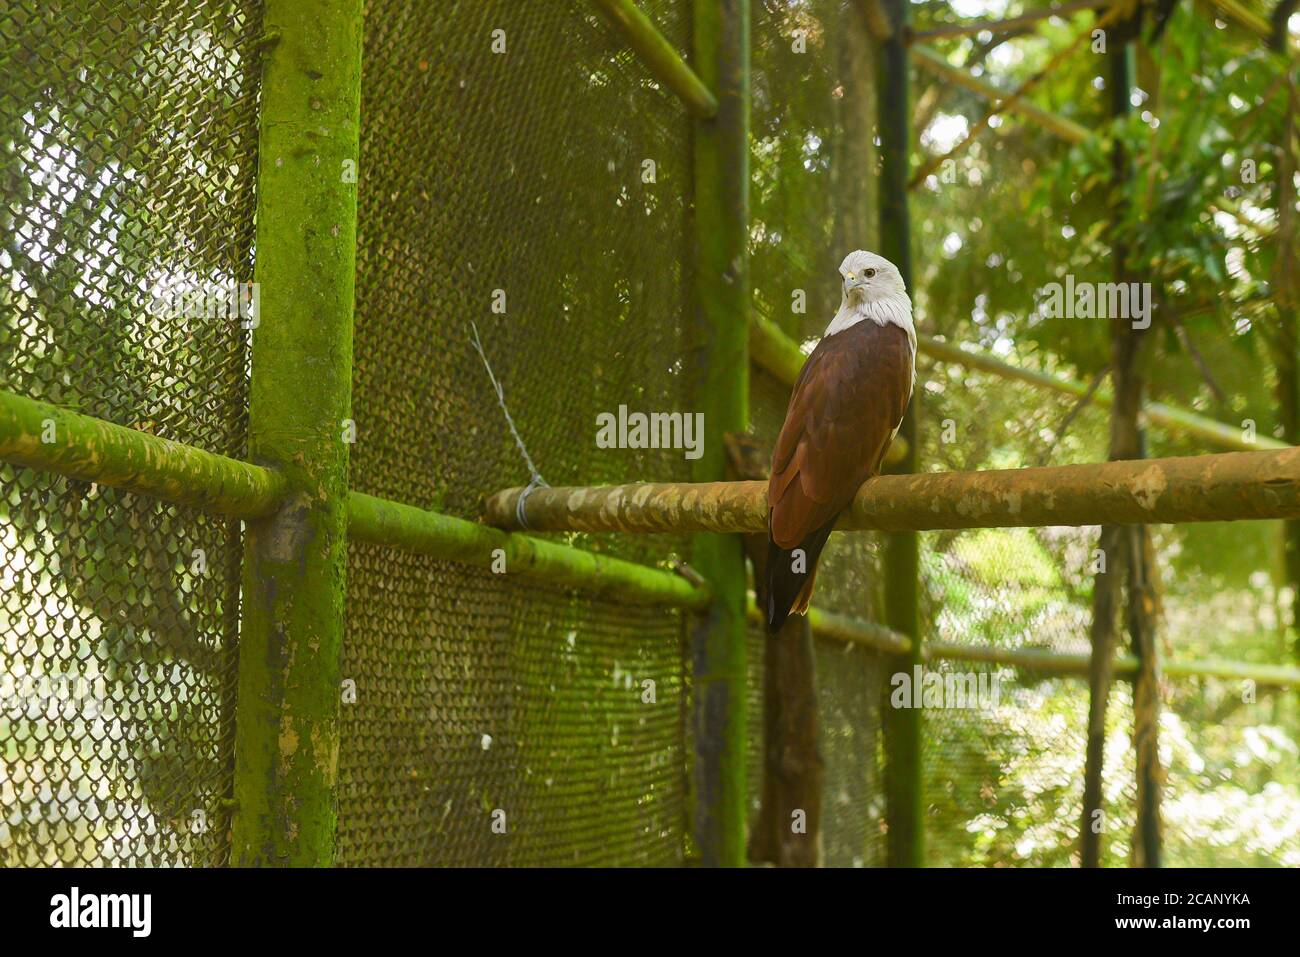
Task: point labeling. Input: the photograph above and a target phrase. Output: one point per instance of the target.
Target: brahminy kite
(846, 408)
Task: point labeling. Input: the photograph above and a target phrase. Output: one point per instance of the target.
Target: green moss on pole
(719, 371)
(659, 56)
(287, 731)
(395, 525)
(43, 436)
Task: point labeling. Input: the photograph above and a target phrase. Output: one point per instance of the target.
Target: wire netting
(128, 150)
(499, 721)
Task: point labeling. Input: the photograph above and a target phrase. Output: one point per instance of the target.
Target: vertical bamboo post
(720, 380)
(287, 737)
(903, 787)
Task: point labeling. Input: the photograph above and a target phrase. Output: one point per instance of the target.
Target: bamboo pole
(1226, 486)
(42, 436)
(719, 370)
(828, 626)
(287, 735)
(1168, 416)
(1244, 17)
(394, 525)
(1122, 666)
(904, 793)
(659, 56)
(936, 62)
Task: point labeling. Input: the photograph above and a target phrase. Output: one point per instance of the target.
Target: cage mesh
(537, 190)
(128, 149)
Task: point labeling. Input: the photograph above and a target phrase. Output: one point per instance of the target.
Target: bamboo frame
(659, 56)
(719, 368)
(828, 626)
(92, 450)
(291, 632)
(1226, 486)
(287, 747)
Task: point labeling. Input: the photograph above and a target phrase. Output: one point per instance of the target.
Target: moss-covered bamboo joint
(1227, 486)
(43, 436)
(659, 56)
(391, 524)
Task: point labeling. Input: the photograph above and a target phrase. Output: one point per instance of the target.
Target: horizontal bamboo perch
(969, 27)
(413, 529)
(43, 436)
(1199, 488)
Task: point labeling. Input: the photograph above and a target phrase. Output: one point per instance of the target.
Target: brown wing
(847, 403)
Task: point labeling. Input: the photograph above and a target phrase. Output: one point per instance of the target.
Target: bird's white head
(873, 289)
(870, 278)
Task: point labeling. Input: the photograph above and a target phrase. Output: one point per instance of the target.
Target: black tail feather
(784, 583)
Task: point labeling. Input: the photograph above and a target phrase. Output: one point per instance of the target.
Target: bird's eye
(869, 273)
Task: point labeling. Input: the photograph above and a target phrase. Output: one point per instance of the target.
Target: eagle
(846, 408)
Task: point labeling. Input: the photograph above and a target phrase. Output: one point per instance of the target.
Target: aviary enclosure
(311, 554)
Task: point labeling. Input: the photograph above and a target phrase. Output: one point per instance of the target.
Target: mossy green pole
(38, 435)
(720, 380)
(287, 737)
(903, 793)
(659, 56)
